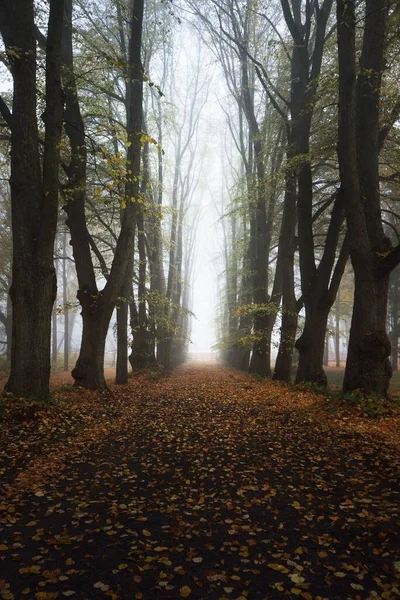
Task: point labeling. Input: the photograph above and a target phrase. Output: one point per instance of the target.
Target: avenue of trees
(314, 118)
(101, 155)
(85, 130)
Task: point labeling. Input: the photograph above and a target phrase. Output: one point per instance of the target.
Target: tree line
(84, 135)
(102, 150)
(316, 104)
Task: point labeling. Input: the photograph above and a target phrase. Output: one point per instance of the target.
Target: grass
(335, 378)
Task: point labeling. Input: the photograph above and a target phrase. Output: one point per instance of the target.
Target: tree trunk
(337, 329)
(368, 367)
(121, 375)
(89, 369)
(285, 262)
(326, 349)
(54, 344)
(9, 326)
(311, 345)
(394, 336)
(67, 333)
(306, 64)
(34, 195)
(99, 305)
(142, 349)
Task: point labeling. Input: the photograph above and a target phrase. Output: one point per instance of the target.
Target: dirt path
(206, 484)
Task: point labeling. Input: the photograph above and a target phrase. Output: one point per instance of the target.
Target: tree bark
(394, 306)
(34, 194)
(326, 349)
(67, 332)
(54, 344)
(121, 375)
(311, 346)
(142, 349)
(337, 329)
(286, 250)
(368, 367)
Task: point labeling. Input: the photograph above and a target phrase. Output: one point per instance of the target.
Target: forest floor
(202, 484)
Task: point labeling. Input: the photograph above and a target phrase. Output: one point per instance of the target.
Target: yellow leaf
(185, 591)
(146, 532)
(276, 567)
(3, 547)
(357, 586)
(122, 567)
(69, 561)
(296, 505)
(35, 569)
(31, 523)
(101, 586)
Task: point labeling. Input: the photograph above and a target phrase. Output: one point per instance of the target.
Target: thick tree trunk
(34, 195)
(368, 367)
(284, 359)
(142, 354)
(285, 262)
(311, 346)
(260, 361)
(89, 369)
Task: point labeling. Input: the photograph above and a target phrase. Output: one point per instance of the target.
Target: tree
(359, 140)
(34, 191)
(98, 305)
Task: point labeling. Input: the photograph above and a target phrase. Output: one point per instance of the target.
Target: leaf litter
(204, 484)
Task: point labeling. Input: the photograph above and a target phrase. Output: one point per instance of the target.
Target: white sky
(210, 145)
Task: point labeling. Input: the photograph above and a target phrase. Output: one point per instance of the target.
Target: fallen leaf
(185, 591)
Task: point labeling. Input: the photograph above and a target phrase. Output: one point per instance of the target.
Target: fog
(221, 256)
